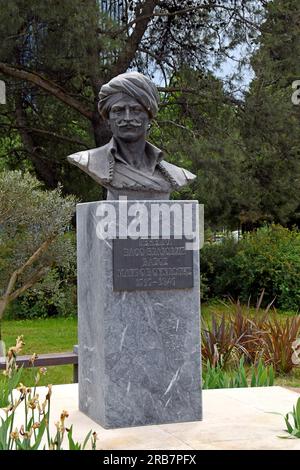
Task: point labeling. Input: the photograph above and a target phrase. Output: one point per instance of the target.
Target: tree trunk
(4, 301)
(102, 134)
(44, 170)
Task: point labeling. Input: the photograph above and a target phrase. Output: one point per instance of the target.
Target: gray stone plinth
(139, 351)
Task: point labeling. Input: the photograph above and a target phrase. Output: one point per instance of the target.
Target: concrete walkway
(233, 419)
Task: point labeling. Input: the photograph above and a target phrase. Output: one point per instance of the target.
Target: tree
(56, 55)
(34, 234)
(270, 121)
(200, 131)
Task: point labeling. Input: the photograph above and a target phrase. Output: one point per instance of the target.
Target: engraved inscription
(152, 264)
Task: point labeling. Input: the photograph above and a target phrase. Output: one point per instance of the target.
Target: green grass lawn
(60, 334)
(220, 307)
(44, 336)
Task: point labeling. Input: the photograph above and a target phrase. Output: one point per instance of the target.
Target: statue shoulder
(96, 162)
(181, 176)
(85, 156)
(80, 159)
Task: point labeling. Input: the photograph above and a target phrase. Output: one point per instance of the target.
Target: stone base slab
(139, 351)
(234, 419)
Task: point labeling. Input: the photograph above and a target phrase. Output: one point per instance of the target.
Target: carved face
(128, 119)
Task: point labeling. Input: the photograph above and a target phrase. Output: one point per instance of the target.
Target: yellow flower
(19, 343)
(43, 370)
(15, 350)
(15, 434)
(25, 434)
(12, 355)
(28, 434)
(33, 402)
(22, 389)
(33, 358)
(64, 415)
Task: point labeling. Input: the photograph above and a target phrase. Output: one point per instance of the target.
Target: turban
(133, 84)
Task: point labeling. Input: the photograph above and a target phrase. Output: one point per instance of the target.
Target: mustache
(132, 123)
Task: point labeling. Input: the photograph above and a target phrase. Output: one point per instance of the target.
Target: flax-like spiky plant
(254, 336)
(278, 341)
(220, 341)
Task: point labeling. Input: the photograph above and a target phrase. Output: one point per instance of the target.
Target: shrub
(215, 259)
(53, 296)
(34, 233)
(268, 259)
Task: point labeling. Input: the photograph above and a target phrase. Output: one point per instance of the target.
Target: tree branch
(132, 43)
(147, 16)
(180, 126)
(33, 280)
(175, 89)
(230, 99)
(51, 134)
(9, 294)
(46, 85)
(13, 278)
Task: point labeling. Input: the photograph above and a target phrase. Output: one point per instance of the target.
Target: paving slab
(232, 419)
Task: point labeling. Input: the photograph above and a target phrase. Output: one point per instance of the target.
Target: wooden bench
(45, 360)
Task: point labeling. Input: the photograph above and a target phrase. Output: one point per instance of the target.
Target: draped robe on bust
(155, 180)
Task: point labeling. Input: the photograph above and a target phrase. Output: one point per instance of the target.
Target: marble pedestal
(139, 351)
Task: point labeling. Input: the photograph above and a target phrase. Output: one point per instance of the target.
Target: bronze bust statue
(129, 165)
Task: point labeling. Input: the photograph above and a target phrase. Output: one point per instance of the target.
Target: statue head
(128, 102)
(128, 164)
